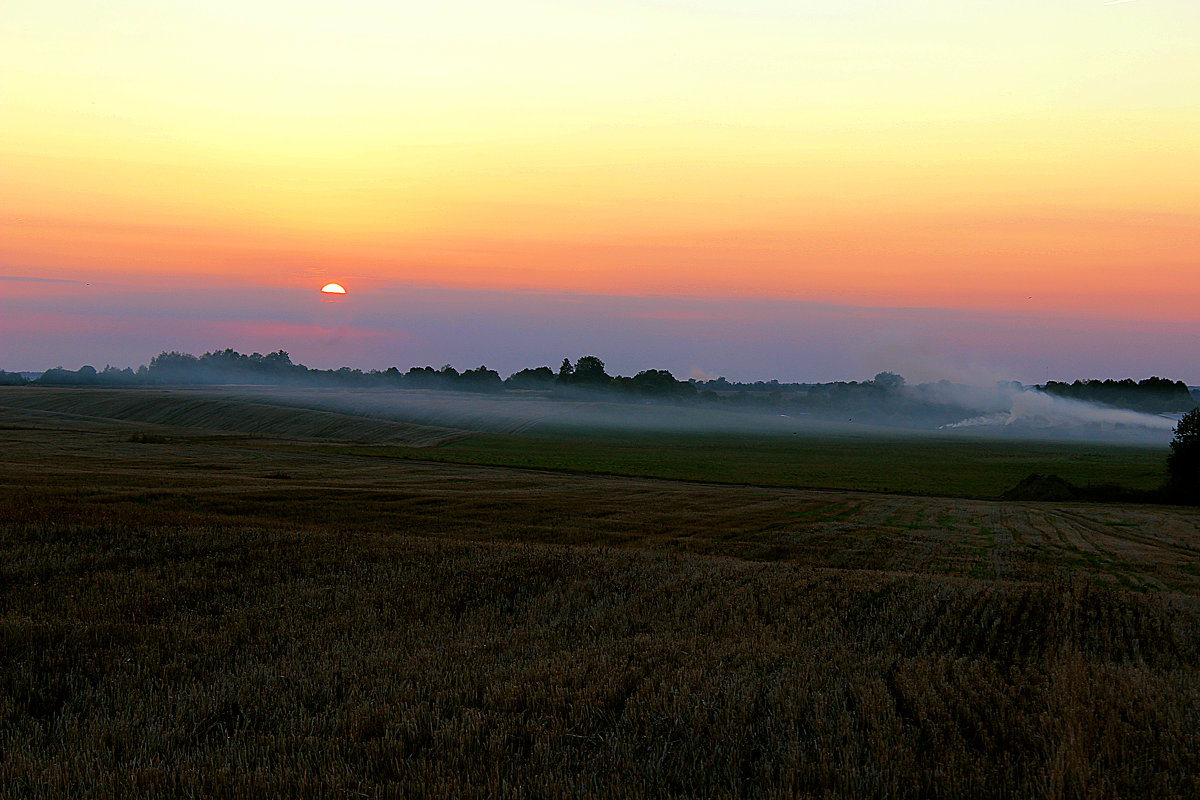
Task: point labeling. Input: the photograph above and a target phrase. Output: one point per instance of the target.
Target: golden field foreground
(209, 613)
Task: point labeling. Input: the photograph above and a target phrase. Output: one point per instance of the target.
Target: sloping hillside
(200, 411)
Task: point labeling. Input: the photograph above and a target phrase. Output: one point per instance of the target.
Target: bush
(1183, 464)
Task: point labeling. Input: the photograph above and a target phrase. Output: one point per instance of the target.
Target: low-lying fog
(946, 410)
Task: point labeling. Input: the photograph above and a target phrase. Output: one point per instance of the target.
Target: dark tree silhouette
(480, 379)
(84, 376)
(657, 383)
(888, 381)
(1152, 395)
(589, 370)
(1183, 463)
(539, 378)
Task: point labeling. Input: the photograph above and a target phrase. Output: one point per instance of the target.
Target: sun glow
(333, 288)
(932, 154)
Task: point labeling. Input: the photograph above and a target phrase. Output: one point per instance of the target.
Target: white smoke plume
(1035, 409)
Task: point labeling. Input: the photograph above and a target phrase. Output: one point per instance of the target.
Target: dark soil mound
(1043, 487)
(1055, 489)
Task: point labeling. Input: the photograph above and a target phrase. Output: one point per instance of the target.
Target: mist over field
(1002, 409)
(583, 396)
(1036, 409)
(981, 412)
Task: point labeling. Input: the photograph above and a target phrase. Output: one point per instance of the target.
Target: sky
(756, 189)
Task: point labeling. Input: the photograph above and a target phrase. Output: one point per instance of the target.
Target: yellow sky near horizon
(939, 153)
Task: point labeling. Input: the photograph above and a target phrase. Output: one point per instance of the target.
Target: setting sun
(333, 288)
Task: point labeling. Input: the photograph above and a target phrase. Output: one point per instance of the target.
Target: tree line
(1151, 395)
(885, 395)
(228, 366)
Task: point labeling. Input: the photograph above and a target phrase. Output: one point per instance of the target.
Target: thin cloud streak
(31, 279)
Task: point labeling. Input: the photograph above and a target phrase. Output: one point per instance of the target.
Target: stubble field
(206, 612)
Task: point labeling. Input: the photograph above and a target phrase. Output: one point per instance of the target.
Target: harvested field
(196, 614)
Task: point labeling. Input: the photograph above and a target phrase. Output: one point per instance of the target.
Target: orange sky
(1003, 156)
